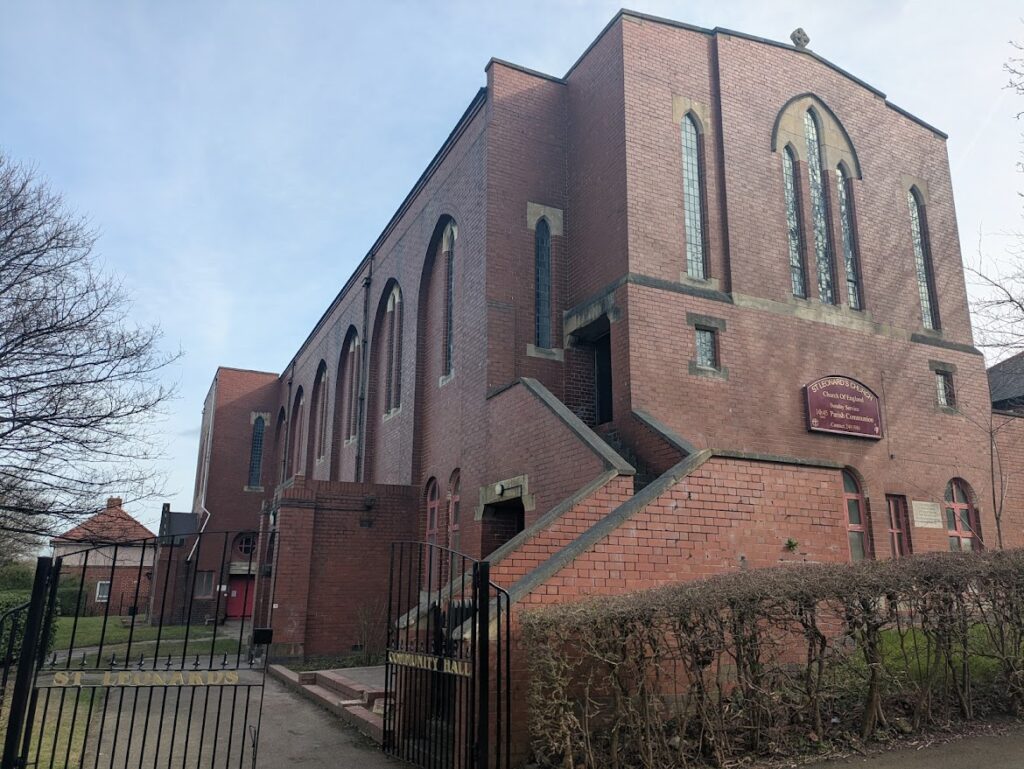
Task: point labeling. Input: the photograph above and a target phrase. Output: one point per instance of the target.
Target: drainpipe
(364, 364)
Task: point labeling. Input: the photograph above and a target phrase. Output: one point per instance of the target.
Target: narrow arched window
(298, 434)
(448, 252)
(844, 194)
(923, 259)
(857, 523)
(693, 200)
(352, 366)
(962, 524)
(320, 398)
(794, 224)
(454, 510)
(819, 212)
(431, 569)
(256, 452)
(393, 380)
(542, 284)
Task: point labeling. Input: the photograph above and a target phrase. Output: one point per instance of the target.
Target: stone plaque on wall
(839, 404)
(927, 515)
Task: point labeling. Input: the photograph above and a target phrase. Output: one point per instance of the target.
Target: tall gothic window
(393, 382)
(448, 252)
(352, 366)
(794, 224)
(923, 260)
(256, 452)
(693, 202)
(819, 211)
(322, 428)
(454, 511)
(542, 284)
(844, 194)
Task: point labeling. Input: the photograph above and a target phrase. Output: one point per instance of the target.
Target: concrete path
(1005, 751)
(295, 732)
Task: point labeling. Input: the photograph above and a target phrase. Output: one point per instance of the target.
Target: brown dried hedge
(776, 661)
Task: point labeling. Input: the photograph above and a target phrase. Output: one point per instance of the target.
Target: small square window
(102, 592)
(204, 584)
(707, 348)
(944, 393)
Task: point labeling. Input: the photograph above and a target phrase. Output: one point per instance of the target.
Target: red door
(241, 591)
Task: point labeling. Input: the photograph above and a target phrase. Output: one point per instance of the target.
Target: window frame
(864, 527)
(694, 197)
(821, 215)
(794, 223)
(256, 443)
(945, 390)
(898, 519)
(394, 320)
(105, 598)
(954, 510)
(455, 510)
(352, 404)
(542, 285)
(197, 586)
(848, 225)
(448, 240)
(924, 265)
(712, 335)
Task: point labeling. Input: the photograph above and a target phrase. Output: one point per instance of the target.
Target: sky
(239, 158)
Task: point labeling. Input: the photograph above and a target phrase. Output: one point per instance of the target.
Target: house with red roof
(116, 554)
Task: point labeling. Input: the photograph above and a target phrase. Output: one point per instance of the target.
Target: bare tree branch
(80, 383)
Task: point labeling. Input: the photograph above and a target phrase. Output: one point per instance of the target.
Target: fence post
(27, 659)
(483, 663)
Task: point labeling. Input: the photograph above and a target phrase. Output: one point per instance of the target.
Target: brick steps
(354, 703)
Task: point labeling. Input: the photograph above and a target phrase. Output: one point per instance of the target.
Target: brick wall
(332, 563)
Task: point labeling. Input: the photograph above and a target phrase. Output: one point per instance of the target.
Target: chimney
(114, 503)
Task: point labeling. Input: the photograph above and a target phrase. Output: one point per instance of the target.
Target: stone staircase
(645, 474)
(356, 695)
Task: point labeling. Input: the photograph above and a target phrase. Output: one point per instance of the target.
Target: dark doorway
(603, 379)
(501, 521)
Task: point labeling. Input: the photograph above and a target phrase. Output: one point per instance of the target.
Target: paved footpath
(1005, 751)
(295, 732)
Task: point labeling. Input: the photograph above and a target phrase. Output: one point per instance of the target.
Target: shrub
(776, 661)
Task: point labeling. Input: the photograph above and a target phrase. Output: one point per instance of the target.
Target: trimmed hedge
(779, 661)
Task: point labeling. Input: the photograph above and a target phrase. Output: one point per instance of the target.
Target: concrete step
(349, 688)
(366, 721)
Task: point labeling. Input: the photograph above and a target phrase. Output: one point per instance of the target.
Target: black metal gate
(137, 655)
(448, 667)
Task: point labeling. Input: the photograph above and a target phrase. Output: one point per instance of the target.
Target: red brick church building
(694, 306)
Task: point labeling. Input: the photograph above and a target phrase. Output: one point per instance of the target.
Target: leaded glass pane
(850, 483)
(954, 544)
(707, 356)
(542, 284)
(944, 389)
(959, 493)
(819, 212)
(849, 245)
(922, 263)
(857, 551)
(966, 544)
(256, 452)
(693, 213)
(853, 511)
(793, 225)
(950, 518)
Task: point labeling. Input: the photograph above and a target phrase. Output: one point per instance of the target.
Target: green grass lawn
(89, 631)
(59, 733)
(174, 649)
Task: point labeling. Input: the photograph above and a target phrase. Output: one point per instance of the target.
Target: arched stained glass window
(256, 452)
(844, 194)
(923, 260)
(819, 212)
(693, 200)
(454, 510)
(542, 284)
(794, 224)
